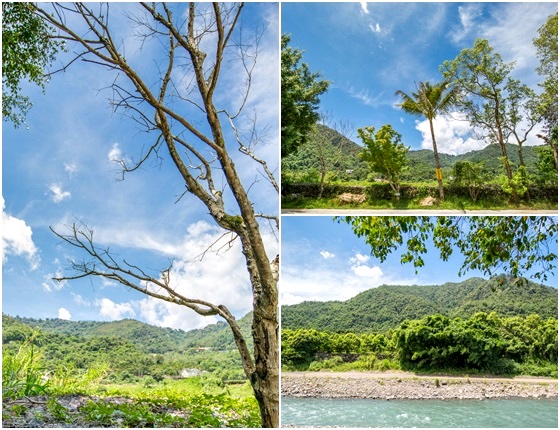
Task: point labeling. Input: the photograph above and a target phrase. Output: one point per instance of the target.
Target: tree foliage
(471, 175)
(28, 49)
(511, 244)
(480, 74)
(300, 93)
(482, 342)
(547, 52)
(385, 153)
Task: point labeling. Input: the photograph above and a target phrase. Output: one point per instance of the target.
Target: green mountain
(148, 338)
(384, 307)
(341, 154)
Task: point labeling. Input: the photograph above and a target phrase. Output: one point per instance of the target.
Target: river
(321, 412)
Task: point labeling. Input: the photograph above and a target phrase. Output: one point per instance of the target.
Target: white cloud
(375, 28)
(468, 15)
(115, 154)
(322, 281)
(49, 284)
(512, 42)
(359, 258)
(364, 271)
(364, 7)
(17, 239)
(326, 255)
(367, 98)
(219, 278)
(453, 136)
(70, 168)
(58, 195)
(78, 299)
(114, 311)
(64, 314)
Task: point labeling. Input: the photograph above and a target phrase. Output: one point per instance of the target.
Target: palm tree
(429, 101)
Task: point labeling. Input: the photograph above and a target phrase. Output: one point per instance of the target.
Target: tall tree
(385, 154)
(512, 244)
(429, 101)
(480, 74)
(547, 51)
(522, 114)
(201, 43)
(300, 93)
(28, 49)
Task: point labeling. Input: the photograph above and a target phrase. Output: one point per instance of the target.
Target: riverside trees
(183, 109)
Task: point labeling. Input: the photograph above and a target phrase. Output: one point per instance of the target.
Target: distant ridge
(384, 307)
(149, 338)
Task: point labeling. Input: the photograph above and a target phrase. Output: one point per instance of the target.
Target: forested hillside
(148, 338)
(385, 307)
(341, 154)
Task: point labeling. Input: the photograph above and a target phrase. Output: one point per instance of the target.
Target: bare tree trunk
(195, 170)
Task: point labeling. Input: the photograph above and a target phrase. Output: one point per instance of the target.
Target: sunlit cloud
(64, 314)
(114, 311)
(17, 239)
(364, 7)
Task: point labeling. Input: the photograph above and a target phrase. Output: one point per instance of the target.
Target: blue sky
(370, 50)
(60, 169)
(323, 260)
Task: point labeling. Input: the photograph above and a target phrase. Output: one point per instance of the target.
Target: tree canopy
(489, 243)
(28, 49)
(385, 153)
(547, 51)
(300, 93)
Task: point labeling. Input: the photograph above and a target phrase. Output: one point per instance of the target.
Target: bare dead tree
(197, 44)
(329, 160)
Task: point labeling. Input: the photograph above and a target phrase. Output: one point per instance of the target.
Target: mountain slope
(382, 308)
(148, 338)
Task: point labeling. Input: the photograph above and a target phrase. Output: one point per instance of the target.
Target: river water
(319, 412)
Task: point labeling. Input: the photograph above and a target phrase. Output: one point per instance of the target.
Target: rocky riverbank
(373, 385)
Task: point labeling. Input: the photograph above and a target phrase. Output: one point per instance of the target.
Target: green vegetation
(482, 343)
(347, 172)
(120, 359)
(385, 307)
(512, 244)
(28, 49)
(385, 154)
(478, 86)
(300, 97)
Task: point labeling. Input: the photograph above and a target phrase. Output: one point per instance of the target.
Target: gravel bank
(408, 386)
